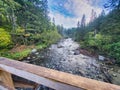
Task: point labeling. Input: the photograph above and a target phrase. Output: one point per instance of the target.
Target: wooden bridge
(51, 78)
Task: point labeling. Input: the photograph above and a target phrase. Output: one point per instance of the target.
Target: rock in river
(34, 50)
(101, 58)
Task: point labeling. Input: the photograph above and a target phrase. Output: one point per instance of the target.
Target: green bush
(104, 44)
(49, 37)
(97, 40)
(115, 51)
(93, 40)
(5, 39)
(20, 30)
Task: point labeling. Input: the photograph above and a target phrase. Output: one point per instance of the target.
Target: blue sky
(69, 12)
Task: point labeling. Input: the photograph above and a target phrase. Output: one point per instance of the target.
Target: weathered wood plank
(6, 79)
(40, 80)
(52, 78)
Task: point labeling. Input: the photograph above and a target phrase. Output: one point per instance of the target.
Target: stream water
(65, 56)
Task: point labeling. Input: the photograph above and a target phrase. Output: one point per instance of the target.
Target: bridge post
(6, 79)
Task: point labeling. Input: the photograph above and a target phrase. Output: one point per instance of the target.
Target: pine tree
(78, 24)
(83, 21)
(93, 16)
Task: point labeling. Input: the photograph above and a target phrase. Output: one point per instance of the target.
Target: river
(65, 56)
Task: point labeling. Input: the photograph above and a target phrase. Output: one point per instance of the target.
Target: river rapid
(65, 56)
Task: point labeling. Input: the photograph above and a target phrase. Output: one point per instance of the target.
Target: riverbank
(19, 52)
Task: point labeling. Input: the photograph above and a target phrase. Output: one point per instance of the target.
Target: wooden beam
(23, 85)
(6, 79)
(52, 78)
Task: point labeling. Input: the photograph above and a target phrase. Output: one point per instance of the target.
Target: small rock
(38, 56)
(111, 69)
(76, 52)
(119, 71)
(36, 53)
(81, 73)
(70, 72)
(33, 57)
(101, 58)
(63, 60)
(71, 53)
(59, 46)
(28, 58)
(42, 56)
(115, 75)
(34, 50)
(82, 56)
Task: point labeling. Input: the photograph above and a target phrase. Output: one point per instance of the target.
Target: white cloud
(81, 7)
(67, 22)
(78, 8)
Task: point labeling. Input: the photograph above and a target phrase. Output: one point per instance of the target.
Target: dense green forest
(25, 22)
(102, 34)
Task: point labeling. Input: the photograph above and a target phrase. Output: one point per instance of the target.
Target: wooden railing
(51, 78)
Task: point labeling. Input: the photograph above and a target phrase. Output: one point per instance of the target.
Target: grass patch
(17, 55)
(40, 46)
(20, 55)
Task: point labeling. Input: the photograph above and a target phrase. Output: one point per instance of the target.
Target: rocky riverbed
(65, 56)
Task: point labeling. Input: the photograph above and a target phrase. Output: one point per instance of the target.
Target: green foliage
(49, 37)
(33, 15)
(36, 37)
(40, 46)
(17, 55)
(110, 24)
(97, 41)
(25, 22)
(20, 30)
(115, 51)
(5, 39)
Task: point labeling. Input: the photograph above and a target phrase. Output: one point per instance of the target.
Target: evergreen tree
(93, 15)
(78, 24)
(83, 21)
